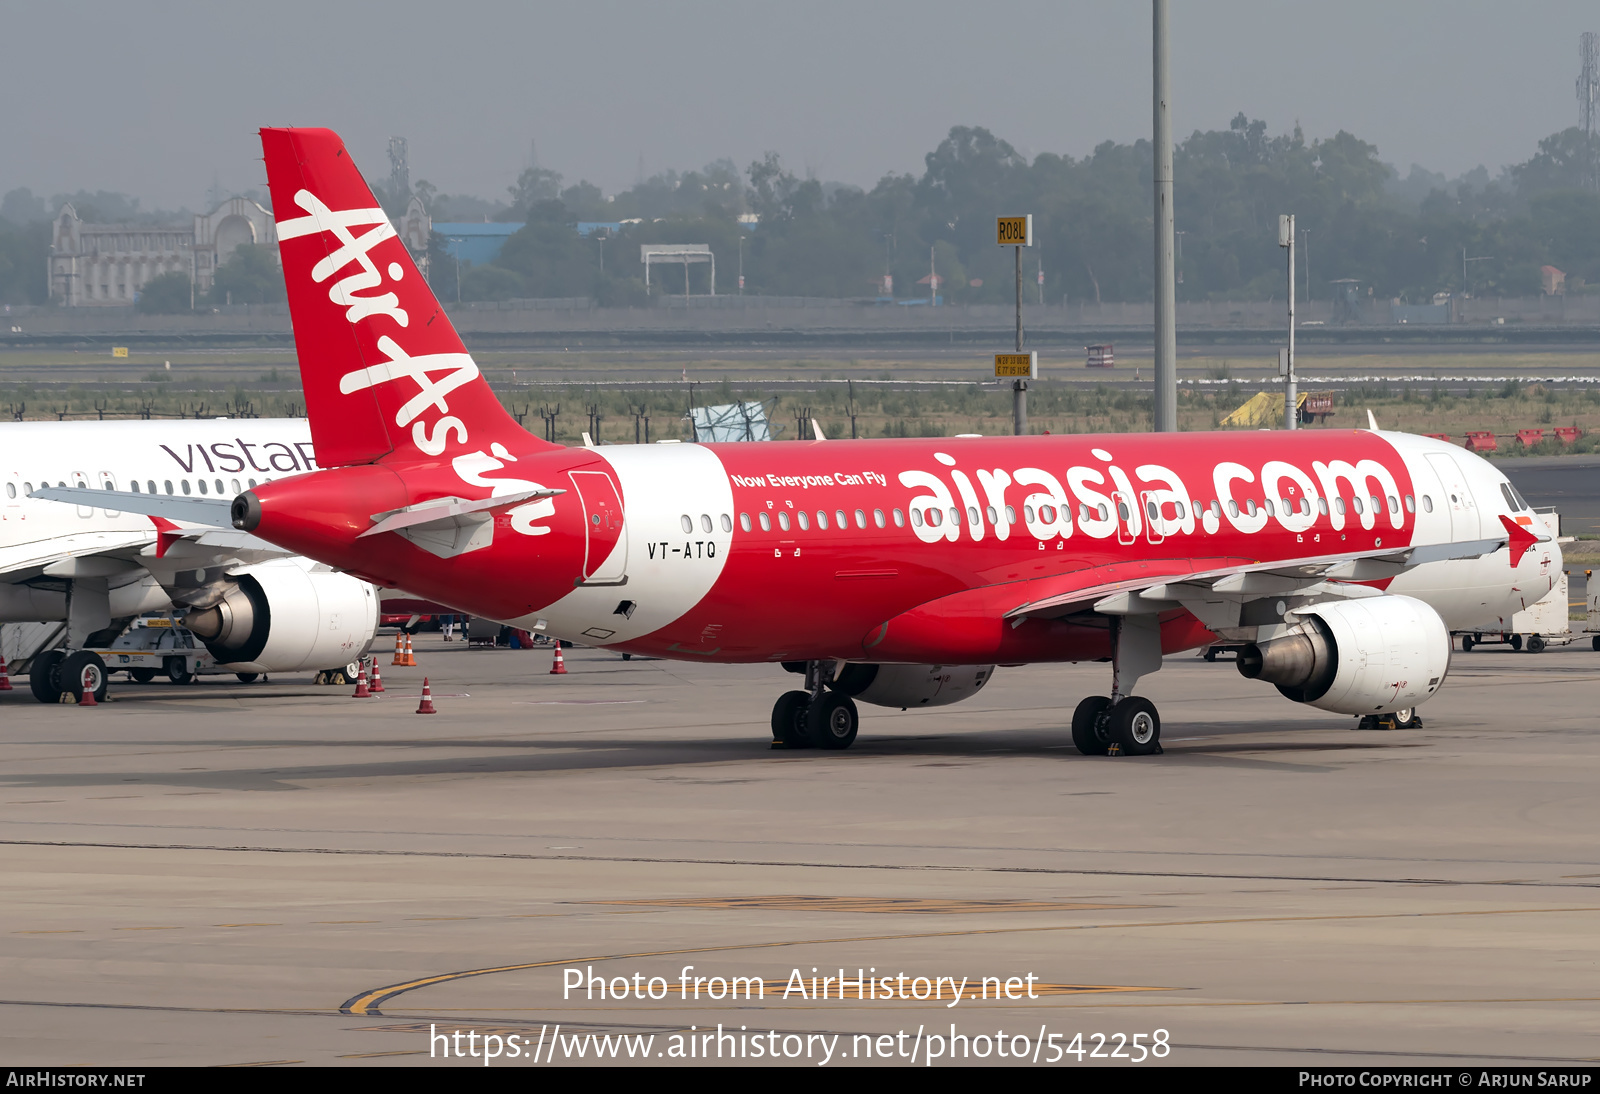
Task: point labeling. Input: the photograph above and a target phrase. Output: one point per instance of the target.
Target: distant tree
(24, 252)
(20, 206)
(1565, 161)
(251, 275)
(167, 294)
(491, 283)
(534, 185)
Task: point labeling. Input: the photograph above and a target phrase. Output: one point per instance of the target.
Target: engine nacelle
(287, 615)
(1369, 656)
(906, 686)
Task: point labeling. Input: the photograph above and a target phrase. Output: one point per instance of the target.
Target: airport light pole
(1291, 417)
(1166, 392)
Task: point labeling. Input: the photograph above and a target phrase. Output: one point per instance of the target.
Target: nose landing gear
(818, 717)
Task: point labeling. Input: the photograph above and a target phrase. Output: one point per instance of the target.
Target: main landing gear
(818, 717)
(1123, 724)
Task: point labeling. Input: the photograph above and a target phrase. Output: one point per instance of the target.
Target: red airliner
(894, 572)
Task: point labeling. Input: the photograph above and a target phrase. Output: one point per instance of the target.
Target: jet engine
(1367, 656)
(906, 686)
(288, 615)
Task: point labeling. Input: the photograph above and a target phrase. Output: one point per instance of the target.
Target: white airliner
(256, 607)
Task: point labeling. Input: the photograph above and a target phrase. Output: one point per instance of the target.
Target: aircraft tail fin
(383, 368)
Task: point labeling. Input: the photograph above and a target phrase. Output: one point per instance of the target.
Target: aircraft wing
(1233, 596)
(212, 512)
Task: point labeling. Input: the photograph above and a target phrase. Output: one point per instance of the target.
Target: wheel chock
(1113, 749)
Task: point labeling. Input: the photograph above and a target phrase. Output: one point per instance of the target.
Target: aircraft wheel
(1211, 653)
(42, 678)
(1135, 725)
(832, 721)
(1595, 642)
(1535, 643)
(248, 677)
(178, 670)
(1516, 641)
(1085, 734)
(81, 671)
(789, 719)
(1406, 718)
(142, 676)
(1466, 643)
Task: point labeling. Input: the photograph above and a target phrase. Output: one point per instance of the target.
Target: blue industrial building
(474, 242)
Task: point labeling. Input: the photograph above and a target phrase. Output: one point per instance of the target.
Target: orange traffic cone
(558, 667)
(399, 648)
(87, 684)
(411, 658)
(377, 678)
(426, 706)
(5, 678)
(362, 691)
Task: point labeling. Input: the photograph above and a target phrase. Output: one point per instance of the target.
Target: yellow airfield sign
(119, 351)
(1016, 365)
(1014, 231)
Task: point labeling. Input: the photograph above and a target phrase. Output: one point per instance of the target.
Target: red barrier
(1567, 434)
(1530, 437)
(1482, 442)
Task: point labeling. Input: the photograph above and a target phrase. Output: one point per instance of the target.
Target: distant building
(1552, 281)
(108, 264)
(473, 242)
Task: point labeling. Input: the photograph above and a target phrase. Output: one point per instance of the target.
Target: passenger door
(606, 546)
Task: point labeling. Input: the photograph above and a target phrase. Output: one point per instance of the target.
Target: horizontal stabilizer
(446, 508)
(213, 512)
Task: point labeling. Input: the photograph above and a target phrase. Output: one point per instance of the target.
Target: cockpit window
(1513, 497)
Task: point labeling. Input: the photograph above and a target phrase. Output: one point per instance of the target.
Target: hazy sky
(156, 98)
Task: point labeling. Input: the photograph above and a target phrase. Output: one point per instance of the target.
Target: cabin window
(805, 520)
(1250, 506)
(1394, 504)
(1150, 510)
(1377, 505)
(1011, 514)
(727, 523)
(235, 484)
(202, 484)
(899, 519)
(252, 485)
(1105, 514)
(150, 485)
(1411, 504)
(916, 517)
(1338, 505)
(822, 519)
(879, 519)
(783, 521)
(185, 484)
(1355, 503)
(27, 488)
(1178, 508)
(1027, 513)
(1427, 503)
(994, 518)
(168, 484)
(1122, 511)
(687, 522)
(1233, 508)
(1047, 514)
(1216, 509)
(840, 520)
(766, 523)
(11, 489)
(705, 523)
(972, 516)
(1266, 503)
(135, 485)
(955, 515)
(219, 486)
(1322, 506)
(935, 517)
(861, 519)
(744, 521)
